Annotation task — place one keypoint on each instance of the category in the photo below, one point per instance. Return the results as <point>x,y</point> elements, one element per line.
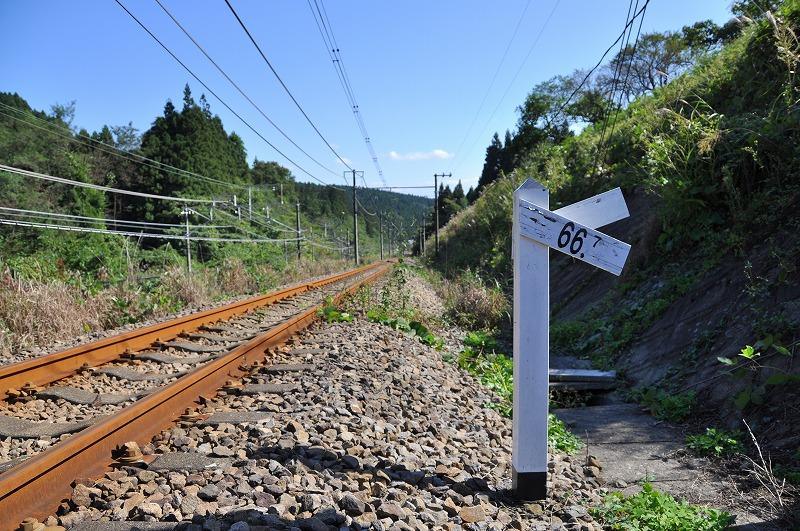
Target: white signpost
<point>570,230</point>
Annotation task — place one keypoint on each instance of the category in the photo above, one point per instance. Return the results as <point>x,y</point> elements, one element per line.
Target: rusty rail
<point>50,368</point>
<point>37,486</point>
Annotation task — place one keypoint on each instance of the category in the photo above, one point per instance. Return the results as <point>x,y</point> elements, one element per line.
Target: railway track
<point>66,413</point>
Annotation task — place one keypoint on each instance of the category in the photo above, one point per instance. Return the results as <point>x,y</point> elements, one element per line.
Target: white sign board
<point>535,229</point>
<point>572,238</point>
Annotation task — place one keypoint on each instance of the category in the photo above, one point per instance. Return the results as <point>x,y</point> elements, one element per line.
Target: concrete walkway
<point>633,447</point>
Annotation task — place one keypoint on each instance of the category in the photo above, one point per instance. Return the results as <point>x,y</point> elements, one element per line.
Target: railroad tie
<point>193,347</point>
<point>279,368</point>
<point>134,376</point>
<point>160,357</point>
<point>26,429</point>
<point>74,395</point>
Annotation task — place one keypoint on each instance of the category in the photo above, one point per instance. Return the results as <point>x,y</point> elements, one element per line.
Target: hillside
<point>708,163</point>
<point>90,259</point>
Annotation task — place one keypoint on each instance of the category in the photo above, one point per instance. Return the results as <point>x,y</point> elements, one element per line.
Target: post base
<point>529,485</point>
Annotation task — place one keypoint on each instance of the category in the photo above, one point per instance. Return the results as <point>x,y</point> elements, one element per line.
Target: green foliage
<point>331,313</point>
<point>652,510</point>
<point>559,437</point>
<point>715,443</point>
<point>672,407</point>
<point>496,371</point>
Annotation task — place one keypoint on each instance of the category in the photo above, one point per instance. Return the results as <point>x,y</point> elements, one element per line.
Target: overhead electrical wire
<point>494,77</point>
<point>112,150</point>
<point>68,228</point>
<point>285,88</point>
<point>510,84</point>
<point>615,80</point>
<point>325,28</point>
<point>245,122</point>
<point>70,182</point>
<point>602,57</point>
<point>117,222</point>
<point>625,82</point>
<point>239,89</point>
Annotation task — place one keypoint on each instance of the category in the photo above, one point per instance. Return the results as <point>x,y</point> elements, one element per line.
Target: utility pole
<point>250,203</point>
<point>188,242</point>
<point>380,230</point>
<point>436,202</point>
<point>424,236</point>
<point>281,193</point>
<point>355,217</point>
<point>298,231</point>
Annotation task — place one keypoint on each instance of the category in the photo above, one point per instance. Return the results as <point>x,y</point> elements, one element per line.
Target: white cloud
<point>421,155</point>
<point>346,161</point>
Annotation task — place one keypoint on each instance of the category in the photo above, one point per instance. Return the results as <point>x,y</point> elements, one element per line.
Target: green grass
<point>652,510</point>
<point>714,442</point>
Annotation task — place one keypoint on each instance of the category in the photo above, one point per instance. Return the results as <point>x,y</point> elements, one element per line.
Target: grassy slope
<point>710,163</point>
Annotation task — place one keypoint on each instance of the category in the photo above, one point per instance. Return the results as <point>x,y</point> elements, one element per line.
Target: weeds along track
<point>65,413</point>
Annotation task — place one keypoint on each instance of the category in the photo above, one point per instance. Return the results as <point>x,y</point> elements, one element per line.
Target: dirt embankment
<point>701,308</point>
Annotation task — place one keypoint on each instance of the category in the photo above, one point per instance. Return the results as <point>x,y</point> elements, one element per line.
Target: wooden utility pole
<point>436,202</point>
<point>298,230</point>
<point>355,221</point>
<point>380,230</point>
<point>188,241</point>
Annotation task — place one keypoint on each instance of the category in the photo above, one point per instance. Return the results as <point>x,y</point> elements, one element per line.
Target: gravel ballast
<point>363,427</point>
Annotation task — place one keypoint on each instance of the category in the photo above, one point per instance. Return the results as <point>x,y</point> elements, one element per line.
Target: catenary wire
<point>494,77</point>
<point>67,228</point>
<point>112,150</point>
<point>510,84</point>
<point>245,122</point>
<point>239,89</point>
<point>280,80</point>
<point>62,180</point>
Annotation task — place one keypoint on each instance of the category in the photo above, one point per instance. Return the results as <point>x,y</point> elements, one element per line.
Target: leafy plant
<point>331,313</point>
<point>652,510</point>
<point>559,437</point>
<point>714,442</point>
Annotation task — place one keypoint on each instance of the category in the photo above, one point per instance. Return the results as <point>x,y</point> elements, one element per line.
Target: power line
<point>69,228</point>
<point>19,212</point>
<point>113,150</point>
<point>510,84</point>
<point>596,66</point>
<point>239,89</point>
<point>263,56</point>
<point>494,77</point>
<point>245,122</point>
<point>81,184</point>
<point>615,80</point>
<point>329,40</point>
<point>625,82</point>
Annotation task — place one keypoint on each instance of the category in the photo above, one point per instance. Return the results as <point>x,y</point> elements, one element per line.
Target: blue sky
<point>419,69</point>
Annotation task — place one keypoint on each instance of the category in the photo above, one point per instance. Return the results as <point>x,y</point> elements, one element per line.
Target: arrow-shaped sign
<point>572,238</point>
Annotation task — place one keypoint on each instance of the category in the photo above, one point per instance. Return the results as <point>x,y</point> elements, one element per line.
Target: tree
<point>491,165</point>
<point>64,112</point>
<point>127,137</point>
<point>652,63</point>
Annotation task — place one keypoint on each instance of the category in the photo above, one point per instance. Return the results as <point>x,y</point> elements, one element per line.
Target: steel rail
<point>52,367</point>
<point>37,486</point>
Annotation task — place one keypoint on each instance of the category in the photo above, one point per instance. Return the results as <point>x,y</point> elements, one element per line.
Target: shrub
<point>672,407</point>
<point>473,304</point>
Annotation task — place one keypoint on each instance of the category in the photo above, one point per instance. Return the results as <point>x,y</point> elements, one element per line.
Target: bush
<point>672,407</point>
<point>473,304</point>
